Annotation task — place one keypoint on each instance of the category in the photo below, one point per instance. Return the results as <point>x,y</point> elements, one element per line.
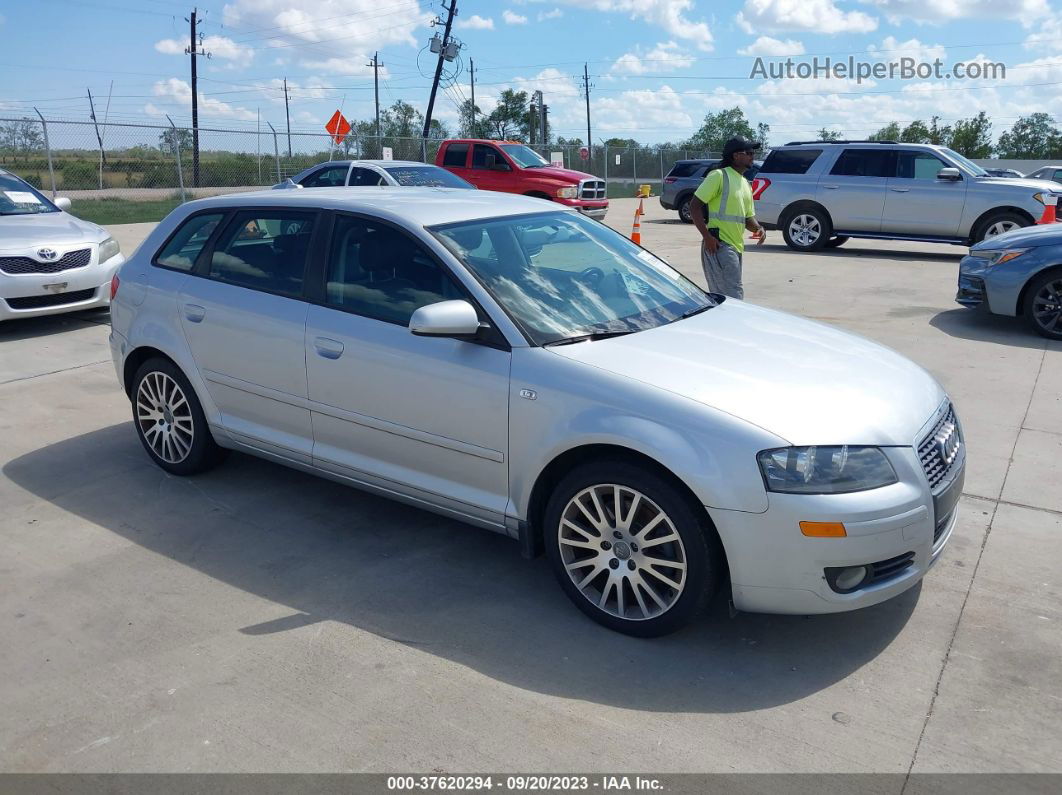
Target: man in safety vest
<point>722,210</point>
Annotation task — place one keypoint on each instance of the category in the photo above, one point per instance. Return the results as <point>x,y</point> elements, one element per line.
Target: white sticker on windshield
<point>22,197</point>
<point>656,262</point>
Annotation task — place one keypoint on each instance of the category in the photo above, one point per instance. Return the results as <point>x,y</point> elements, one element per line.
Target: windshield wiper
<point>697,311</point>
<point>597,335</point>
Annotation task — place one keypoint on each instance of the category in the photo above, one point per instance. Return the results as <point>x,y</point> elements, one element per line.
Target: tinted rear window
<point>456,155</point>
<point>688,170</point>
<point>865,163</point>
<point>790,161</point>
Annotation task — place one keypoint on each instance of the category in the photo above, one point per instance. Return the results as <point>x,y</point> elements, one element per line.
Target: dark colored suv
<point>684,178</point>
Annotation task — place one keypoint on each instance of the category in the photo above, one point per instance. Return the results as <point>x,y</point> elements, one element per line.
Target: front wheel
<point>684,212</point>
<point>1043,305</point>
<point>999,223</point>
<point>629,550</point>
<point>807,229</point>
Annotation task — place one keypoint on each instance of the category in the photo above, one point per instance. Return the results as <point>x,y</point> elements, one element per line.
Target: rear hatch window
<point>688,170</point>
<point>790,161</point>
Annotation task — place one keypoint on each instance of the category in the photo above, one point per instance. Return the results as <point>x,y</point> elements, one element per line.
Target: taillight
<point>114,286</point>
<point>759,185</point>
<point>669,180</point>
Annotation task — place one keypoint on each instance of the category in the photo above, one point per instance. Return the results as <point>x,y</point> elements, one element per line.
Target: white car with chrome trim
<point>530,371</point>
<point>50,261</point>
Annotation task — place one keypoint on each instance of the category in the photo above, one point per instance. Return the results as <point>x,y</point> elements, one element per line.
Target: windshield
<point>969,165</point>
<point>560,275</point>
<point>525,157</point>
<point>427,177</point>
<point>20,198</point>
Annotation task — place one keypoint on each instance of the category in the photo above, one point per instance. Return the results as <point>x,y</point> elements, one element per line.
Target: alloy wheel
<point>622,552</point>
<point>999,227</point>
<point>165,417</point>
<point>805,229</point>
<point>1047,306</point>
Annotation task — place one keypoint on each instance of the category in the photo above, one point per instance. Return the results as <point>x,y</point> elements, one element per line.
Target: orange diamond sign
<point>338,127</point>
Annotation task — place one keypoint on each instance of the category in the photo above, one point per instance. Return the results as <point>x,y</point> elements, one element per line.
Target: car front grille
<point>71,259</point>
<point>593,189</point>
<point>887,569</point>
<point>941,448</point>
<point>41,301</point>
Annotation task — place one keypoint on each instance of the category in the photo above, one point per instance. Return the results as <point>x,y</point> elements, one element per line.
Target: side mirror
<point>498,166</point>
<point>951,174</point>
<point>445,319</point>
<point>62,203</point>
<point>288,184</point>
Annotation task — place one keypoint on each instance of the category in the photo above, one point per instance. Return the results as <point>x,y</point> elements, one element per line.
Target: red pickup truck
<point>511,167</point>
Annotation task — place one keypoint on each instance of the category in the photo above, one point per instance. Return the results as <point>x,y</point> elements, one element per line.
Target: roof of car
<point>374,163</point>
<point>411,206</point>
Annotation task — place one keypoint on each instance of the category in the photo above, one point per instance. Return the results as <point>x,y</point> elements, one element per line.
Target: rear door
<point>920,204</point>
<point>854,189</point>
<point>455,159</point>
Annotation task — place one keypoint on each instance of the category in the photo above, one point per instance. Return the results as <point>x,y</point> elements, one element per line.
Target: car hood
<point>1019,182</point>
<point>803,381</point>
<point>563,174</point>
<point>1028,236</point>
<point>19,232</point>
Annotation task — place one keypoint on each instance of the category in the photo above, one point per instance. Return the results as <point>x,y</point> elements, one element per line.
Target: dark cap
<point>738,145</point>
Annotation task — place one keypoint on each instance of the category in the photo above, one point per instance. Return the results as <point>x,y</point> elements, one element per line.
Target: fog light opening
<point>847,578</point>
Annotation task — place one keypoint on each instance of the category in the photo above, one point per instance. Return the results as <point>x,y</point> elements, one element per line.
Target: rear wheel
<point>807,229</point>
<point>629,550</point>
<point>684,210</point>
<point>999,223</point>
<point>1043,305</point>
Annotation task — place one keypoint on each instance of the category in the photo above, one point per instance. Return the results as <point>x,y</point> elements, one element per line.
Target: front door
<point>244,317</point>
<point>424,416</point>
<point>487,177</point>
<point>920,204</point>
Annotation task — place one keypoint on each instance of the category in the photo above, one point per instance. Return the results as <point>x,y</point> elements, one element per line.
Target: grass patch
<point>122,211</point>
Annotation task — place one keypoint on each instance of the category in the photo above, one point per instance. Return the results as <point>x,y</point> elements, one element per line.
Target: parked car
<point>1007,172</point>
<point>821,193</point>
<point>512,167</point>
<point>1053,173</point>
<point>684,178</point>
<point>50,261</point>
<point>1017,274</point>
<point>530,371</point>
<point>369,173</point>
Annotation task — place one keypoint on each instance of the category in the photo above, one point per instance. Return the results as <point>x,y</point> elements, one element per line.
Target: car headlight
<point>108,249</point>
<point>570,192</point>
<point>1040,197</point>
<point>998,256</point>
<point>825,470</point>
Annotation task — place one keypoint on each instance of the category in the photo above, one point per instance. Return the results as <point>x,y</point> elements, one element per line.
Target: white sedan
<point>50,261</point>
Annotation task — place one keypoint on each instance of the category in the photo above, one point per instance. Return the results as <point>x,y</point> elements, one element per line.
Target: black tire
<point>1043,305</point>
<point>806,229</point>
<point>180,440</point>
<point>685,215</point>
<point>1001,218</point>
<point>623,568</point>
<point>836,241</point>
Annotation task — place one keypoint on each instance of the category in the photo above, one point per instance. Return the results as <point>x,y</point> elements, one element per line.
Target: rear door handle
<point>194,312</point>
<point>831,187</point>
<point>900,190</point>
<point>328,348</point>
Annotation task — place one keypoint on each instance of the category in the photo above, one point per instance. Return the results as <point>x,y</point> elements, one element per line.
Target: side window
<point>264,250</point>
<point>376,271</point>
<point>365,177</point>
<point>918,165</point>
<point>863,163</point>
<point>483,155</point>
<point>456,155</point>
<point>181,251</point>
<point>330,177</point>
<point>1058,176</point>
<point>790,161</point>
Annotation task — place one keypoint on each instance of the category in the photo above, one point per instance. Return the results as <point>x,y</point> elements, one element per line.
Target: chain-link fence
<point>144,162</point>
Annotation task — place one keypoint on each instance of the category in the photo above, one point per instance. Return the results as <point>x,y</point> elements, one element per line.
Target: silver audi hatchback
<point>514,365</point>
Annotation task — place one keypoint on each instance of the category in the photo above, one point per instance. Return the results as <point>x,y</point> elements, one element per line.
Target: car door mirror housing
<point>949,174</point>
<point>62,203</point>
<point>445,319</point>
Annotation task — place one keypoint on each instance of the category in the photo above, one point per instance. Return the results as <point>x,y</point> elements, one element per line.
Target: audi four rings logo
<point>949,444</point>
<point>47,253</point>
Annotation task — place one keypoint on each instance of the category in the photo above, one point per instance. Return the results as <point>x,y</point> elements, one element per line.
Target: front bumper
<point>590,208</point>
<point>35,294</point>
<point>902,528</point>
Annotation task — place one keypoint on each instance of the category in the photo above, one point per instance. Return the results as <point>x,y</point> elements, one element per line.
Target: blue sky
<point>657,66</point>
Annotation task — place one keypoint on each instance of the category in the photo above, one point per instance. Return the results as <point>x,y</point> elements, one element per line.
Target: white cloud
<point>180,93</point>
<point>554,84</point>
<point>765,45</point>
<point>662,108</point>
<point>513,18</point>
<point>893,50</point>
<point>813,16</point>
<point>937,11</point>
<point>556,13</point>
<point>667,14</point>
<point>217,46</point>
<point>355,65</point>
<point>475,22</point>
<point>665,57</point>
<point>1047,38</point>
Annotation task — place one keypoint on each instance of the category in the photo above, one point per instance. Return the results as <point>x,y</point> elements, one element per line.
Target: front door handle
<point>194,313</point>
<point>900,190</point>
<point>328,348</point>
<point>831,187</point>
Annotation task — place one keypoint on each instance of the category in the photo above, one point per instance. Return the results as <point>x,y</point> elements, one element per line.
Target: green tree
<point>915,133</point>
<point>175,136</point>
<point>401,120</point>
<point>509,119</point>
<point>719,127</point>
<point>22,137</point>
<point>1032,137</point>
<point>890,132</point>
<point>469,128</point>
<point>828,135</point>
<point>972,137</point>
<point>941,136</point>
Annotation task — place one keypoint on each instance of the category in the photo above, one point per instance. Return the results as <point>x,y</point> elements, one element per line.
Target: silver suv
<point>822,193</point>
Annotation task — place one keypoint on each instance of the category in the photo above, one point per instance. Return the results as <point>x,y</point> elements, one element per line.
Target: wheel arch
<point>136,358</point>
<point>1023,294</point>
<point>538,194</point>
<point>802,204</point>
<point>975,227</point>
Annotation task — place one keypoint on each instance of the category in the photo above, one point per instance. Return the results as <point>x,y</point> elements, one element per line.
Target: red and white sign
<point>337,127</point>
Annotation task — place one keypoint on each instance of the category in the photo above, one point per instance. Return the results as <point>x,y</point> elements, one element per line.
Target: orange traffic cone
<point>1050,200</point>
<point>636,230</point>
<point>641,205</point>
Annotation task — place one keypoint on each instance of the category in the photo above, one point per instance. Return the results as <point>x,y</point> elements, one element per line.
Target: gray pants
<point>722,270</point>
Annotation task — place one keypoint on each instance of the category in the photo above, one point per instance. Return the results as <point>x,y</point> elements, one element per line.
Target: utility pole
<point>532,120</point>
<point>190,50</point>
<point>586,90</point>
<point>92,114</point>
<point>472,77</point>
<point>452,12</point>
<point>544,110</point>
<point>287,115</point>
<point>375,64</point>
